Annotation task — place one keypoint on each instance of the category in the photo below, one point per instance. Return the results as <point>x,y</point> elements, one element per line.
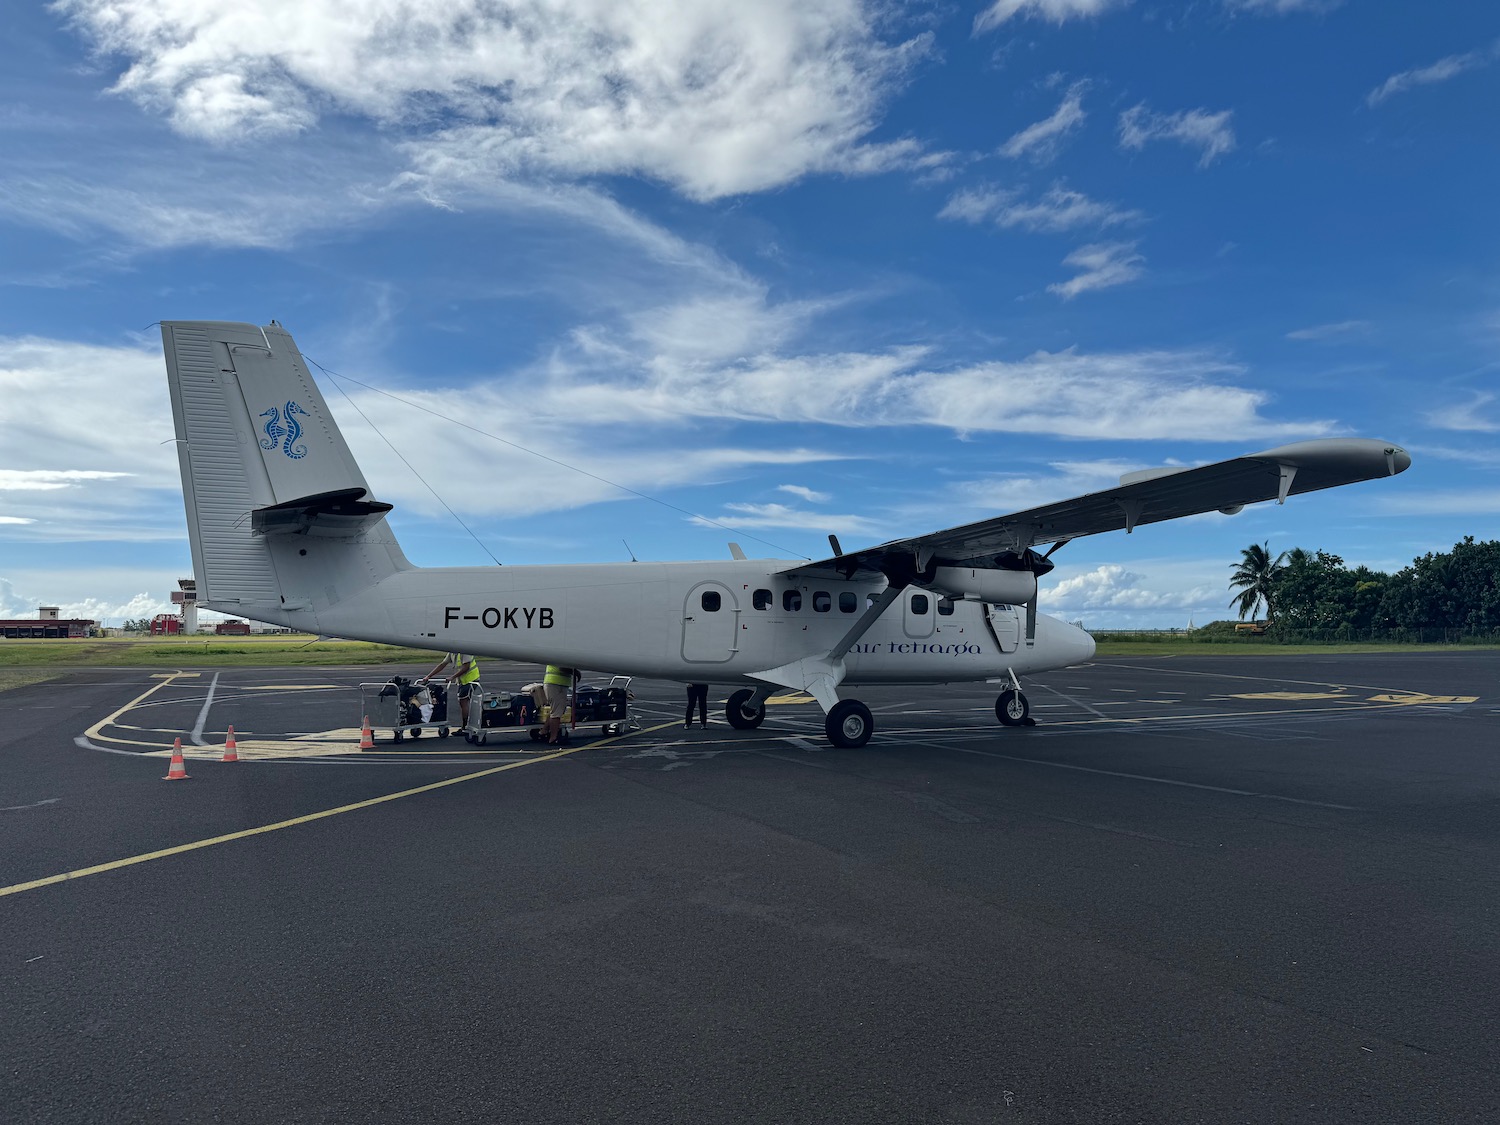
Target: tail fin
<point>279,515</point>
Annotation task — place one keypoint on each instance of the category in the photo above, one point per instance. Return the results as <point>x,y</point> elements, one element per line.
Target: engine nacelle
<point>1011,587</point>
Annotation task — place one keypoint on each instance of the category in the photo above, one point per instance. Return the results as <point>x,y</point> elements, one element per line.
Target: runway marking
<point>1417,698</point>
<point>797,698</point>
<point>289,687</point>
<point>1291,695</point>
<point>228,837</point>
<point>33,805</point>
<point>165,678</point>
<point>196,734</point>
<point>1155,780</point>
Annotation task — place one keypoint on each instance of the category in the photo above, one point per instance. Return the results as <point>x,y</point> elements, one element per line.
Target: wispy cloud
<point>1111,586</point>
<point>1041,141</point>
<point>1329,331</point>
<point>1470,416</point>
<point>1059,209</point>
<point>713,101</point>
<point>1055,11</point>
<point>1196,128</point>
<point>1104,264</point>
<point>762,516</point>
<point>1440,71</point>
<point>807,494</point>
<point>1281,7</point>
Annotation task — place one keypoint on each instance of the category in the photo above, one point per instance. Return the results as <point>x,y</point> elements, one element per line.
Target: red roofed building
<point>46,624</point>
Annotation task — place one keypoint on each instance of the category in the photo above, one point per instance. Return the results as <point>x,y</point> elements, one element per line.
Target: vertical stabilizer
<point>266,475</point>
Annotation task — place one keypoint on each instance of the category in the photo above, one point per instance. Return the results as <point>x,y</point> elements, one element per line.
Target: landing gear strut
<point>744,710</point>
<point>1012,709</point>
<point>849,724</point>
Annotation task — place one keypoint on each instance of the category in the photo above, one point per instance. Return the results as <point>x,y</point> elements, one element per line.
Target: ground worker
<point>466,673</point>
<point>557,682</point>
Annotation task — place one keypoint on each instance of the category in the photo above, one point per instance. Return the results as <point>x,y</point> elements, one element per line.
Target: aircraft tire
<point>1012,709</point>
<point>740,717</point>
<point>849,725</point>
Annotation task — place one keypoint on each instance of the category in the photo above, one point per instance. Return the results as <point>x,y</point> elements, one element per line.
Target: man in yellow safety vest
<point>466,673</point>
<point>556,683</point>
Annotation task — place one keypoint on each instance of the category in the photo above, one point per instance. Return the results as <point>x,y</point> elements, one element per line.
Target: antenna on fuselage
<point>629,552</point>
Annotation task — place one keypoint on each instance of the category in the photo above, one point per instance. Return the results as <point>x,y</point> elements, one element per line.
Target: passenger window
<point>848,602</point>
<point>919,604</point>
<point>822,602</point>
<point>945,606</point>
<point>710,600</point>
<point>791,601</point>
<point>762,599</point>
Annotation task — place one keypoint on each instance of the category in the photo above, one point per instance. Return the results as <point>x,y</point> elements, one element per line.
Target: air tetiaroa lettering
<point>503,617</point>
<point>913,648</point>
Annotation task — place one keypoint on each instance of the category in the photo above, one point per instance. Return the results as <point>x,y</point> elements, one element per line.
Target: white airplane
<point>284,530</point>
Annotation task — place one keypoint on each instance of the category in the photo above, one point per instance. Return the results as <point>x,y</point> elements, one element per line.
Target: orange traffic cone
<point>177,771</point>
<point>231,751</point>
<point>366,739</point>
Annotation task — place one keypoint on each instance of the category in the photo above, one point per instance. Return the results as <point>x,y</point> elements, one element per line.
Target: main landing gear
<point>849,724</point>
<point>745,709</point>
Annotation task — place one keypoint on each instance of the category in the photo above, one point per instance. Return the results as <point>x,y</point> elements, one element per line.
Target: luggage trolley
<point>398,703</point>
<point>513,712</point>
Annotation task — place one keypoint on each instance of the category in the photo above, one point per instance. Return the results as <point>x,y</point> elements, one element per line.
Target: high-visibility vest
<point>459,660</point>
<point>557,674</point>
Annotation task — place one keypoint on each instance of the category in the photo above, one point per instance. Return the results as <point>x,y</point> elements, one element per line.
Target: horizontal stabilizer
<point>342,513</point>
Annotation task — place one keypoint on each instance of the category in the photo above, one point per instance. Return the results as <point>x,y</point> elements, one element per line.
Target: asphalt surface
<point>1199,890</point>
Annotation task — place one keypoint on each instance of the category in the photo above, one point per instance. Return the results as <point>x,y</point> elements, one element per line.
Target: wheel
<point>739,714</point>
<point>399,736</point>
<point>417,732</point>
<point>535,735</point>
<point>849,725</point>
<point>470,738</point>
<point>1012,709</point>
<point>442,732</point>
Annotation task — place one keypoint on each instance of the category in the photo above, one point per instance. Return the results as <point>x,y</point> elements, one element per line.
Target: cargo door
<point>1005,623</point>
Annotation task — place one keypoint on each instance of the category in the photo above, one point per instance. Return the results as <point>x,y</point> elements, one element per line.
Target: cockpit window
<point>919,604</point>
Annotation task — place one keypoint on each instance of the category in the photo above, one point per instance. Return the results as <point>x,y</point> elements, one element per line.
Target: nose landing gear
<point>1012,709</point>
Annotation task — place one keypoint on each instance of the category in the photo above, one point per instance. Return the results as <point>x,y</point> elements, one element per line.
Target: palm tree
<point>1256,573</point>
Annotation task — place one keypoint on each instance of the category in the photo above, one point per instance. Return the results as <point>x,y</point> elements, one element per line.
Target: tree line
<point>1455,591</point>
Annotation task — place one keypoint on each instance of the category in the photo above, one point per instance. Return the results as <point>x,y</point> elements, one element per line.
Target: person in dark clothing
<point>697,693</point>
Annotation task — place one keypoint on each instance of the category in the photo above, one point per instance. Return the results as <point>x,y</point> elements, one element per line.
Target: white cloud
<point>49,480</point>
<point>16,521</point>
<point>1195,127</point>
<point>1059,209</point>
<point>1041,140</point>
<point>1110,586</point>
<point>779,515</point>
<point>1440,71</point>
<point>1329,331</point>
<point>713,100</point>
<point>111,602</point>
<point>1104,264</point>
<point>1055,11</point>
<point>805,493</point>
<point>1468,416</point>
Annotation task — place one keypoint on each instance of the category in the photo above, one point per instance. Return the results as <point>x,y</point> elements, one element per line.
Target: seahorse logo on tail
<point>272,428</point>
<point>294,431</point>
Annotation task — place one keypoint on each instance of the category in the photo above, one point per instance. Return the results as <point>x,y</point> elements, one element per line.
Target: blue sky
<point>807,266</point>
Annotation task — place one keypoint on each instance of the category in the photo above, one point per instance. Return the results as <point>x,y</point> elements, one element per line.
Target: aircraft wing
<point>1147,496</point>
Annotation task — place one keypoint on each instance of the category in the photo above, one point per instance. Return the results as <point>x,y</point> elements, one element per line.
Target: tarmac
<point>1235,889</point>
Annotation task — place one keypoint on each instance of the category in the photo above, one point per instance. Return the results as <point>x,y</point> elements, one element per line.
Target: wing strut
<point>820,676</point>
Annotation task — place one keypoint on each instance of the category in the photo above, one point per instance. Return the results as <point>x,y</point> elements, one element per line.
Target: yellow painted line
<point>798,698</point>
<point>166,678</point>
<point>1291,695</point>
<point>228,837</point>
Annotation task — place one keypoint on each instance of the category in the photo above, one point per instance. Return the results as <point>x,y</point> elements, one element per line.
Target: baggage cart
<point>512,712</point>
<point>407,707</point>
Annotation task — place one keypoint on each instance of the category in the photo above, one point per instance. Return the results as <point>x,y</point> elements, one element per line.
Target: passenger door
<point>710,624</point>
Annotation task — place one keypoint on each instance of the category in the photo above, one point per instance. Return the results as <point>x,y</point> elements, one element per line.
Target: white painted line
<point>197,732</point>
<point>1155,780</point>
<point>35,805</point>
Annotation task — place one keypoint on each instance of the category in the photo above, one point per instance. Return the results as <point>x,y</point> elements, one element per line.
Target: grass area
<point>1259,646</point>
<point>21,677</point>
<point>194,652</point>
